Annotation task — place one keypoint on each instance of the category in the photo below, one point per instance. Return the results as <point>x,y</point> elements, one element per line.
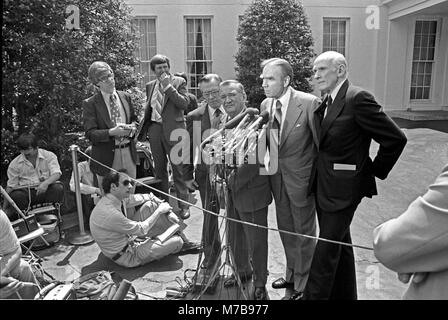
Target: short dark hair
<point>209,77</point>
<point>182,75</point>
<point>26,140</point>
<point>112,177</point>
<point>159,59</point>
<point>283,64</point>
<point>88,151</point>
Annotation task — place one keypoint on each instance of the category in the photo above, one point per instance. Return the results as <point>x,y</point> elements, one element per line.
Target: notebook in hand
<point>169,232</point>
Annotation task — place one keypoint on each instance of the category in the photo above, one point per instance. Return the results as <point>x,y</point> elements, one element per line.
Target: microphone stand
<point>229,257</point>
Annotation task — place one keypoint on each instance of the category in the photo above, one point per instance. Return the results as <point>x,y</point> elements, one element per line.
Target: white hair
<point>335,58</point>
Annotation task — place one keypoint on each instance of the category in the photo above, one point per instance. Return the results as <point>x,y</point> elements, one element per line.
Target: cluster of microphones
<point>237,139</point>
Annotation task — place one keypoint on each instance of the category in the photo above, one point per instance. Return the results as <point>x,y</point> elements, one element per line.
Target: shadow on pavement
<point>169,263</point>
<point>439,125</point>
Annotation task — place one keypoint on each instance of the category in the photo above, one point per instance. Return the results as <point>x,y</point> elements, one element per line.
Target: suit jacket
<point>417,241</point>
<point>96,126</point>
<point>343,172</point>
<point>174,104</point>
<point>250,191</point>
<point>200,114</point>
<point>298,145</point>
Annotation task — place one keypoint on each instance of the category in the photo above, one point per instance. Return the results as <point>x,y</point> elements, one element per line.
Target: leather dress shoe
<point>232,281</point>
<point>190,247</point>
<point>281,283</point>
<point>261,294</point>
<point>295,295</point>
<point>184,214</point>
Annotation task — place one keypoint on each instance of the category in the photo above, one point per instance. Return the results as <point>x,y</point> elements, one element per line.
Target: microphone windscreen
<point>234,122</point>
<point>265,118</point>
<point>252,111</point>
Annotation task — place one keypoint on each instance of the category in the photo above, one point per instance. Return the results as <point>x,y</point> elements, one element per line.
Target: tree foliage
<point>268,29</point>
<point>45,67</point>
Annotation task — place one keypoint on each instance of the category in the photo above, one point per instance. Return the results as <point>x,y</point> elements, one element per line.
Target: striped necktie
<point>157,101</point>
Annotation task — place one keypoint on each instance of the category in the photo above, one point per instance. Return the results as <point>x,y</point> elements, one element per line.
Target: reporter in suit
<point>209,115</point>
<point>104,114</point>
<point>294,154</point>
<point>343,172</point>
<point>164,112</point>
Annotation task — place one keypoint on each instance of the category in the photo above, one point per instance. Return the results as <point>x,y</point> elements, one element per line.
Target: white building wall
<point>170,28</point>
<point>380,59</point>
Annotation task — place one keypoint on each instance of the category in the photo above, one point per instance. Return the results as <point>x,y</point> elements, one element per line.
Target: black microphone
<point>235,121</point>
<point>264,118</point>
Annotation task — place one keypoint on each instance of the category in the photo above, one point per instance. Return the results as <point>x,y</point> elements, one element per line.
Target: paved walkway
<point>422,160</point>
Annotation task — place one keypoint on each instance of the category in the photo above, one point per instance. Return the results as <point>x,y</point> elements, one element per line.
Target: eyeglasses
<point>210,93</point>
<point>107,78</point>
<point>127,182</point>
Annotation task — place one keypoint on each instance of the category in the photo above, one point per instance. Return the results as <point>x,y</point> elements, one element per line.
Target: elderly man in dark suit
<point>109,122</point>
<point>209,116</point>
<point>291,157</point>
<point>249,196</point>
<point>343,173</point>
<point>164,125</point>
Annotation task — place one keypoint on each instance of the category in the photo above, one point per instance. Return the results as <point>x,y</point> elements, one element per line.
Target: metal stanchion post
<point>80,237</point>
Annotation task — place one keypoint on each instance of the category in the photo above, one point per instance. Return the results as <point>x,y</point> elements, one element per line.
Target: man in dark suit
<point>291,155</point>
<point>163,117</point>
<point>343,172</point>
<point>209,116</point>
<point>109,122</point>
<point>249,196</point>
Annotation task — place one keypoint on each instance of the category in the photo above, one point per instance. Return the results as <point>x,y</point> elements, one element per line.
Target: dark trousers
<point>211,240</point>
<point>237,239</point>
<point>22,197</point>
<point>87,207</point>
<point>161,149</point>
<point>332,274</point>
<point>258,244</point>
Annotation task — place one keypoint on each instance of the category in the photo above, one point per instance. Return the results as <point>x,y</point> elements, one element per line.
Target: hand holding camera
<point>164,79</point>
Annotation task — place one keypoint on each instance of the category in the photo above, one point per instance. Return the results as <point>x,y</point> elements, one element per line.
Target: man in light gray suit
<point>292,141</point>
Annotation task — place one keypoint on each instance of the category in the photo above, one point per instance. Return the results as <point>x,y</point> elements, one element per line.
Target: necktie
<point>114,112</point>
<point>329,102</point>
<point>158,101</point>
<point>277,123</point>
<point>216,119</point>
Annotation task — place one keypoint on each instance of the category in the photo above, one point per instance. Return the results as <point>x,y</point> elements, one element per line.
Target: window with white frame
<point>146,26</point>
<point>199,51</point>
<point>423,59</point>
<point>335,35</point>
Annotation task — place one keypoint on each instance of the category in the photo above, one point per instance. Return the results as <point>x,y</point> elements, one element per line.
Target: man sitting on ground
<point>33,177</point>
<point>138,239</point>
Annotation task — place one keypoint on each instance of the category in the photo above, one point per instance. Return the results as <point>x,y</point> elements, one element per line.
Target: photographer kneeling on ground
<point>135,240</point>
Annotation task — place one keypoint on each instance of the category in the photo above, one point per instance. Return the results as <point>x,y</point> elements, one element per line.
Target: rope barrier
<point>232,219</point>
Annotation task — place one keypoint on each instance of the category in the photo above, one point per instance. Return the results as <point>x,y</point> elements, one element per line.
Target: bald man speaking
<point>347,121</point>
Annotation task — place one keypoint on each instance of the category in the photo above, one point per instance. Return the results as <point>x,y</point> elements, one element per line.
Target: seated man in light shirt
<point>33,176</point>
<point>88,184</point>
<point>141,237</point>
